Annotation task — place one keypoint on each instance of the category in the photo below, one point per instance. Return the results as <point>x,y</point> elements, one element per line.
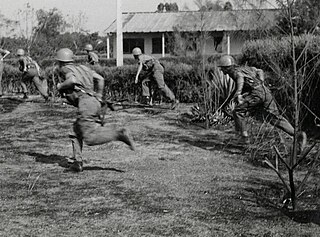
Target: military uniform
<point>155,72</point>
<point>93,58</point>
<point>87,127</point>
<point>257,100</point>
<point>31,71</point>
<point>3,54</point>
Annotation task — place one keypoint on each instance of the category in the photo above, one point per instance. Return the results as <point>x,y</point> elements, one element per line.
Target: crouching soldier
<point>253,96</point>
<point>93,58</point>
<point>155,73</point>
<point>78,88</point>
<point>31,71</point>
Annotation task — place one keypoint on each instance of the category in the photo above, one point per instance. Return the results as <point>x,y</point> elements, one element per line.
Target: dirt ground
<point>182,180</point>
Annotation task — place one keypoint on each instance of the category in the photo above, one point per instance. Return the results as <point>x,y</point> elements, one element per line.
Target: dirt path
<point>181,181</point>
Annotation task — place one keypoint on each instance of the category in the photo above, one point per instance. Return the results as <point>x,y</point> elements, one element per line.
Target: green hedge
<point>119,81</point>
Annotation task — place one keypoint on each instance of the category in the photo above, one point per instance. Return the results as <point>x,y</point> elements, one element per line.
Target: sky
<point>99,13</point>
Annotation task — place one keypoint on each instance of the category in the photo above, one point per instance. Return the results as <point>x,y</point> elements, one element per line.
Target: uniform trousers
<point>157,75</point>
<point>260,103</point>
<point>41,84</point>
<point>87,127</point>
<point>1,73</point>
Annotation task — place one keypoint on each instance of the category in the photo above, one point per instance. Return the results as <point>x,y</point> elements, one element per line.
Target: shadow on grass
<point>268,194</point>
<point>49,159</point>
<point>101,168</point>
<point>63,161</point>
<point>7,105</point>
<point>304,216</point>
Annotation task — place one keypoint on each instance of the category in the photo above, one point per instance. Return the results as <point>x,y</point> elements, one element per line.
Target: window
<point>157,45</point>
<point>130,44</point>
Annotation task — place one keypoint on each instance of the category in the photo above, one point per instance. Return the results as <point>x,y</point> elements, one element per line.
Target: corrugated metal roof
<point>195,21</point>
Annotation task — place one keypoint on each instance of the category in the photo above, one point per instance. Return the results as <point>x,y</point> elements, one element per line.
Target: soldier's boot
<point>125,137</point>
<point>174,104</point>
<point>76,166</point>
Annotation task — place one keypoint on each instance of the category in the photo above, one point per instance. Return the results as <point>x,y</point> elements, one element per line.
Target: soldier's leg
<point>239,116</point>
<point>1,73</point>
<point>273,116</point>
<point>42,86</point>
<point>77,142</point>
<point>251,102</point>
<point>145,90</point>
<point>24,88</point>
<point>158,76</point>
<point>92,132</point>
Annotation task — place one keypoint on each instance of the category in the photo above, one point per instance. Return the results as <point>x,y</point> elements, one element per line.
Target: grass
<point>181,181</point>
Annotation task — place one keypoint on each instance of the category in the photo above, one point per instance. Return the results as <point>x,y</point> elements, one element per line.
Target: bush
<point>182,78</point>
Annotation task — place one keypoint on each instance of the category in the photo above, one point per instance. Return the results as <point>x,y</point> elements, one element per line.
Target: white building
<point>225,30</point>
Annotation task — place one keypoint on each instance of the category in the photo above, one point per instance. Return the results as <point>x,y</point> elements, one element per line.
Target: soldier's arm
<point>239,82</point>
<point>138,72</point>
<point>6,53</point>
<point>68,83</point>
<point>100,83</point>
<point>260,74</point>
<point>23,65</point>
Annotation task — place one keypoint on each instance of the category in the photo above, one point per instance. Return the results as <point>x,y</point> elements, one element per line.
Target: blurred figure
<point>78,88</point>
<point>93,58</point>
<point>254,98</point>
<point>155,73</point>
<point>31,72</point>
<point>3,53</point>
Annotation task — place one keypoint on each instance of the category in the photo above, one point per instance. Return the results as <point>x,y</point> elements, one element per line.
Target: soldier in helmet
<point>78,88</point>
<point>3,53</point>
<point>93,58</point>
<point>252,95</point>
<point>155,73</point>
<point>31,71</point>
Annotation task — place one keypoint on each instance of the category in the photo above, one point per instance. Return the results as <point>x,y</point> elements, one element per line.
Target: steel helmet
<point>64,55</point>
<point>226,61</point>
<point>20,52</point>
<point>136,51</point>
<point>88,47</point>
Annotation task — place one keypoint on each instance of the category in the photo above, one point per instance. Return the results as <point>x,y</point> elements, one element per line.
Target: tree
<point>50,24</point>
<point>160,7</point>
<point>7,26</point>
<point>208,5</point>
<point>304,15</point>
<point>168,7</point>
<point>228,6</point>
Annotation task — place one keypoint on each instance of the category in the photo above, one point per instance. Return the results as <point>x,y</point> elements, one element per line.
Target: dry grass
<point>181,181</point>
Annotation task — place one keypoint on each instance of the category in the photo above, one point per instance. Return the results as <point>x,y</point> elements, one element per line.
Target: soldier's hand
<point>58,86</point>
<point>240,99</point>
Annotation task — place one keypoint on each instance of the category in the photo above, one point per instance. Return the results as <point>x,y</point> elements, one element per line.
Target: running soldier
<point>31,71</point>
<point>93,58</point>
<point>155,73</point>
<point>3,53</point>
<point>78,88</point>
<point>252,96</point>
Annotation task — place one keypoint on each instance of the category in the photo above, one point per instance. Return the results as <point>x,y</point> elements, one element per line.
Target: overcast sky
<point>99,13</point>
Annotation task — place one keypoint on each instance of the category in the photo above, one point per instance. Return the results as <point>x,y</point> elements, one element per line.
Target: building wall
<point>236,43</point>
